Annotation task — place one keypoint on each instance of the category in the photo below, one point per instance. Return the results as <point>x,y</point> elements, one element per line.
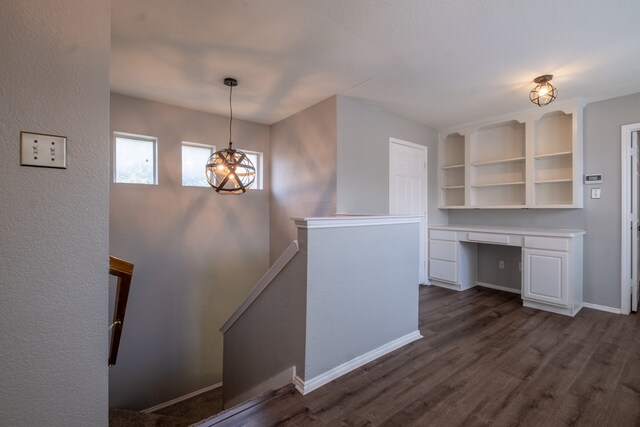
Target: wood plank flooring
<point>484,361</point>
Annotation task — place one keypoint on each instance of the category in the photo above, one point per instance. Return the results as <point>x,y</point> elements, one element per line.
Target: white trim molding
<point>625,191</point>
<point>355,221</point>
<point>262,284</point>
<point>275,382</point>
<point>498,287</point>
<point>305,387</point>
<point>181,398</point>
<point>602,308</point>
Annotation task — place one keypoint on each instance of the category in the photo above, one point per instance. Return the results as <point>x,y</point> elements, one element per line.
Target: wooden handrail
<point>123,270</point>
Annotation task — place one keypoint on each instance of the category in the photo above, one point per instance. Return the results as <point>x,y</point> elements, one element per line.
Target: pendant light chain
<point>231,115</point>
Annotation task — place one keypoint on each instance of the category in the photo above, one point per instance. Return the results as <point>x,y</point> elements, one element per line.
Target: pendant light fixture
<point>544,92</point>
<point>230,171</point>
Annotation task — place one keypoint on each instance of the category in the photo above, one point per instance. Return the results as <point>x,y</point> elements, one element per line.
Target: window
<point>256,159</point>
<point>135,159</point>
<point>194,161</point>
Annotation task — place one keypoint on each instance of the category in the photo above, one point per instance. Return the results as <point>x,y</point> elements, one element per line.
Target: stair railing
<point>123,270</point>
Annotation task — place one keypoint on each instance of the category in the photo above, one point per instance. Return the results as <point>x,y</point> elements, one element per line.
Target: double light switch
<point>48,151</point>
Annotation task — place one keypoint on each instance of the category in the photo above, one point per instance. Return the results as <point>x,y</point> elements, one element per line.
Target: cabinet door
<point>546,276</point>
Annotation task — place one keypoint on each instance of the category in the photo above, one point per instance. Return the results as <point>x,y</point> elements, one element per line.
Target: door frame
<point>626,175</point>
<point>424,223</point>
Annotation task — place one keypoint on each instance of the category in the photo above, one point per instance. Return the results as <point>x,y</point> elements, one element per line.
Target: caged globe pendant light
<point>544,92</point>
<point>230,171</point>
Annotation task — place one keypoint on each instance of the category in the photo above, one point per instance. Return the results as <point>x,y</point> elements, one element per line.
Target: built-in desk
<point>551,262</point>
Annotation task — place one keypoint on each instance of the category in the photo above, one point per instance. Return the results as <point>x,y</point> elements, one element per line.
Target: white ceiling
<point>438,62</point>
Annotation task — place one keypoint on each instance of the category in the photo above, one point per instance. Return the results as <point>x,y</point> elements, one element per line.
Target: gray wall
<point>303,171</point>
<point>53,222</point>
<point>196,255</point>
<point>359,300</point>
<point>363,158</point>
<point>600,218</point>
<point>488,271</point>
<point>269,337</point>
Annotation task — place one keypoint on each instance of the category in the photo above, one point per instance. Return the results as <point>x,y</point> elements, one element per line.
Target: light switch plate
<point>595,193</point>
<point>47,151</point>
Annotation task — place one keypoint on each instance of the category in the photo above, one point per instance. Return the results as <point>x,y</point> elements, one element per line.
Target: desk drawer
<point>442,250</point>
<point>488,238</point>
<point>442,235</point>
<point>555,244</point>
<point>443,270</point>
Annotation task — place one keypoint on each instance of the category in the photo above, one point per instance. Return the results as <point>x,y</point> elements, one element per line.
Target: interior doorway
<point>408,189</point>
<point>630,186</point>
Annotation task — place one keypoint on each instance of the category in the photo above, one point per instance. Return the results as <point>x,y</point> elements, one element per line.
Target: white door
<point>408,188</point>
<point>633,226</point>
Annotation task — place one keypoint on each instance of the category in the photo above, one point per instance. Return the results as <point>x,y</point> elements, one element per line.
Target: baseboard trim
<point>567,311</point>
<point>275,382</point>
<point>181,398</point>
<point>305,387</point>
<point>602,308</point>
<point>499,288</point>
<point>445,285</point>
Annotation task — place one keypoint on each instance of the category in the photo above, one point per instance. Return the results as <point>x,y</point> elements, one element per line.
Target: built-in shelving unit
<point>531,159</point>
<point>553,164</point>
<point>452,170</point>
<point>497,159</point>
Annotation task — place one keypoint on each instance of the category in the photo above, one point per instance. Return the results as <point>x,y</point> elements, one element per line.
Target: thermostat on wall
<point>593,178</point>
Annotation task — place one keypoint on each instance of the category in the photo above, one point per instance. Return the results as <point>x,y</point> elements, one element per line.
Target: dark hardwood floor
<point>484,361</point>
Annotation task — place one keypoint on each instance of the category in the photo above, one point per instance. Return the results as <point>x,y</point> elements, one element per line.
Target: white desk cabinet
<point>551,262</point>
<point>448,260</point>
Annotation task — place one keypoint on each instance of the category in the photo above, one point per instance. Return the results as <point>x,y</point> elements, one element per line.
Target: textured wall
<point>303,171</point>
<point>363,158</point>
<point>53,223</point>
<point>600,218</point>
<point>196,255</point>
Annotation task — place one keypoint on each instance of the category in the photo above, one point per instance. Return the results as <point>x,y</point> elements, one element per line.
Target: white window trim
<point>259,175</point>
<point>147,138</point>
<point>197,145</point>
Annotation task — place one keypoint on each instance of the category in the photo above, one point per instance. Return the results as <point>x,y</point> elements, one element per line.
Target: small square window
<point>194,162</point>
<point>256,159</point>
<point>135,159</point>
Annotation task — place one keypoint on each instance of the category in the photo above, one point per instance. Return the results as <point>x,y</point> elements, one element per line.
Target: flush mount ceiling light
<point>544,92</point>
<point>230,171</point>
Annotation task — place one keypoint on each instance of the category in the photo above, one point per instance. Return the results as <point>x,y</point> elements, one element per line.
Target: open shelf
<point>553,134</point>
<point>452,170</point>
<point>453,166</point>
<point>554,161</point>
<point>453,151</point>
<point>552,181</point>
<point>498,184</point>
<point>498,162</point>
<point>453,196</point>
<point>546,156</point>
<point>554,193</point>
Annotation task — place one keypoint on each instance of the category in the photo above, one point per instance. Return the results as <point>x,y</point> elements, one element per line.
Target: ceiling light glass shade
<point>544,92</point>
<point>230,171</point>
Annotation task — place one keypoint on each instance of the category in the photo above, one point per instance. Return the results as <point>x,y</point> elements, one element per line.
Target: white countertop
<point>355,221</point>
<point>529,231</point>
